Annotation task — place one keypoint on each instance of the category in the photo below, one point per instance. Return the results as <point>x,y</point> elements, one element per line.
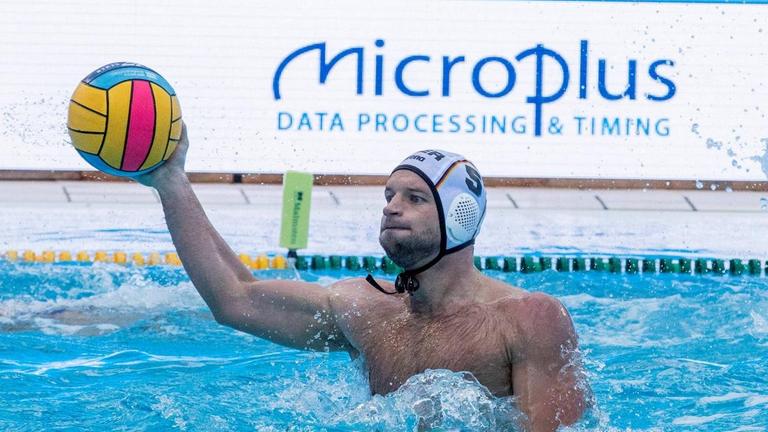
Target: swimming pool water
<point>105,347</point>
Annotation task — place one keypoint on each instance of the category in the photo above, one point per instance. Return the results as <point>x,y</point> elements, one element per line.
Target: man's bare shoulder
<point>358,293</point>
<point>542,324</point>
<point>537,319</point>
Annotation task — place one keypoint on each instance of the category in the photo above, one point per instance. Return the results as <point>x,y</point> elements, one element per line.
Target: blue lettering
<point>454,122</point>
<point>643,125</point>
<point>304,122</point>
<point>288,117</point>
<point>655,76</point>
<point>437,123</point>
<point>381,121</point>
<point>518,125</point>
<point>362,120</point>
<point>631,81</point>
<point>579,119</point>
<point>583,69</point>
<point>501,124</point>
<point>609,127</point>
<point>379,69</point>
<point>471,123</point>
<point>662,127</point>
<point>321,118</point>
<point>447,66</point>
<point>337,123</point>
<point>539,99</point>
<point>404,119</point>
<point>511,77</point>
<point>325,67</point>
<point>399,75</point>
<point>417,123</point>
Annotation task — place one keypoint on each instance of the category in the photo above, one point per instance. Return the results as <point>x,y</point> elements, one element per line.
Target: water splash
<point>30,121</point>
<point>434,399</point>
<point>439,399</point>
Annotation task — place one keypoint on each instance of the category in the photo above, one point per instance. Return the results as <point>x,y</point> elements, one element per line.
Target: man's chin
<point>392,236</point>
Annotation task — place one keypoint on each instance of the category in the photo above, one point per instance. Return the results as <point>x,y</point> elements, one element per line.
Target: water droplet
<point>699,184</point>
<point>728,189</point>
<point>764,203</point>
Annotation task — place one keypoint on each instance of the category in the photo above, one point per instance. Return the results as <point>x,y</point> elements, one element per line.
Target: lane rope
<point>531,263</point>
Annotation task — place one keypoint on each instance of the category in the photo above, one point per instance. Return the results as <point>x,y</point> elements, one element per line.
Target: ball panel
<point>162,126</point>
<point>176,130</point>
<point>118,98</point>
<point>86,142</point>
<point>106,68</point>
<point>175,108</point>
<point>99,164</point>
<point>169,151</point>
<point>125,72</point>
<point>141,126</point>
<point>84,120</point>
<point>91,98</point>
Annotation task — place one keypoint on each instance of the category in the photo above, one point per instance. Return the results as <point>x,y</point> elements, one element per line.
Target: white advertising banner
<point>556,89</point>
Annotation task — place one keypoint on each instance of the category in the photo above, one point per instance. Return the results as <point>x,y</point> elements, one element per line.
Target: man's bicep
<point>291,313</point>
<point>548,393</point>
<point>547,377</point>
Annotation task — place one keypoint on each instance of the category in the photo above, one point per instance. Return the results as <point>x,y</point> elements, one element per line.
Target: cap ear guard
<point>463,219</point>
<point>463,204</point>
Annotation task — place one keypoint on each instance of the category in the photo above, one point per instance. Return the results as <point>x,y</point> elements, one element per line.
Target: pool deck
<point>103,215</point>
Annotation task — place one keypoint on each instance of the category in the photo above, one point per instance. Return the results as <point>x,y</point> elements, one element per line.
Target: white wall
<point>222,58</point>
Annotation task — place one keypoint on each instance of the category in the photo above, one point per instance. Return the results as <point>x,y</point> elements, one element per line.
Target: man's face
<point>410,228</point>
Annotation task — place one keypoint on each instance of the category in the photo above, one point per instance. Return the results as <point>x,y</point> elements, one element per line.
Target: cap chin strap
<point>407,281</point>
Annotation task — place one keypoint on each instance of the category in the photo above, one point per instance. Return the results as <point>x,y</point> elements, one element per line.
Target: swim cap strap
<point>376,285</point>
<point>405,282</point>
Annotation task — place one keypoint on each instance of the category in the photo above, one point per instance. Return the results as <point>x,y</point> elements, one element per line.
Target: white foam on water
<point>169,409</point>
<point>696,420</point>
<point>749,429</point>
<point>702,362</point>
<point>759,323</point>
<point>756,400</point>
<point>121,358</point>
<point>724,398</point>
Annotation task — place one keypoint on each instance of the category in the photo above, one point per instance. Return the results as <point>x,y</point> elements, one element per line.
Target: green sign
<point>297,197</point>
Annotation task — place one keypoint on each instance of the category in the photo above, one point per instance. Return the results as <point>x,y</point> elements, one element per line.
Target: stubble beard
<point>410,251</point>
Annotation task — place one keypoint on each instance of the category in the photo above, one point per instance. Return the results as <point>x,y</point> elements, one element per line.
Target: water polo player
<point>442,314</point>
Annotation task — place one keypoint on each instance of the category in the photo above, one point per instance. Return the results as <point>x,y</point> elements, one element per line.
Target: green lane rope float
<point>503,264</point>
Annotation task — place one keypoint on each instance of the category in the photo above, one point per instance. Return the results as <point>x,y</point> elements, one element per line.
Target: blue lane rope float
<point>531,263</point>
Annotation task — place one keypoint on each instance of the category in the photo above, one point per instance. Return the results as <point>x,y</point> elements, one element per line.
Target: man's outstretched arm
<point>547,378</point>
<point>290,313</point>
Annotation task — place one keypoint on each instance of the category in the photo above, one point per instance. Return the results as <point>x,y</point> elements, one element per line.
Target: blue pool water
<point>105,347</point>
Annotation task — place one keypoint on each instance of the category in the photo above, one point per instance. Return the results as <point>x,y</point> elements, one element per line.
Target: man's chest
<point>397,348</point>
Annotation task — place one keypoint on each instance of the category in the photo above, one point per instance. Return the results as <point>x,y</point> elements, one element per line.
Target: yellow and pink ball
<point>124,119</point>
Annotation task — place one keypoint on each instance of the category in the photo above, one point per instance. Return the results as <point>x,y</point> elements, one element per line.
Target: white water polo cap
<point>459,194</point>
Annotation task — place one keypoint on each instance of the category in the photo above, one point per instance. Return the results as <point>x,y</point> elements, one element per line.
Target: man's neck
<point>448,285</point>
